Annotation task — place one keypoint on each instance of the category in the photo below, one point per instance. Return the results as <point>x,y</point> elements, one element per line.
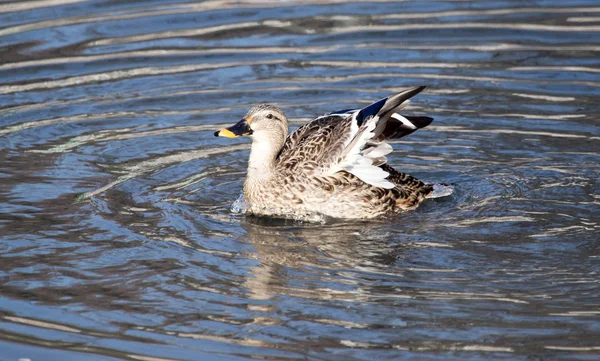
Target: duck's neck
<point>262,160</point>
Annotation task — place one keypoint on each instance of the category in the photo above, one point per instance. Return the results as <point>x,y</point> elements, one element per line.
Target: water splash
<point>239,205</point>
<point>441,190</point>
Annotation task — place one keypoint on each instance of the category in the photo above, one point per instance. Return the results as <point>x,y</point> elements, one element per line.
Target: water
<point>117,239</point>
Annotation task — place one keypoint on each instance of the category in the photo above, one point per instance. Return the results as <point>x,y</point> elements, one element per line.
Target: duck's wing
<point>351,140</point>
<point>307,148</point>
<point>309,132</point>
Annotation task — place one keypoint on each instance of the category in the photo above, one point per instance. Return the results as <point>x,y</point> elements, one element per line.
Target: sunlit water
<point>117,238</point>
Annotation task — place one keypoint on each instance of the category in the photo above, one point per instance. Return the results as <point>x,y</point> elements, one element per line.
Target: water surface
<point>116,237</point>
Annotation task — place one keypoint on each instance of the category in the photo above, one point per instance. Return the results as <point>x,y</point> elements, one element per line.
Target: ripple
<point>32,5</point>
<point>124,74</point>
<point>151,165</point>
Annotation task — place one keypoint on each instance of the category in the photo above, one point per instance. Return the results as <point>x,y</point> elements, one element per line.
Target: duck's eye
<point>269,116</point>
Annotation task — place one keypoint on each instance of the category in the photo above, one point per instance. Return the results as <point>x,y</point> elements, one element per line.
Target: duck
<point>333,166</point>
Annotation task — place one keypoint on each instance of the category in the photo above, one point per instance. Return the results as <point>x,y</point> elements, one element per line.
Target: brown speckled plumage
<point>311,170</point>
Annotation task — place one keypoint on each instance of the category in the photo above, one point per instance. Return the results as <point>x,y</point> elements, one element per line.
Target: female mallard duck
<point>334,165</point>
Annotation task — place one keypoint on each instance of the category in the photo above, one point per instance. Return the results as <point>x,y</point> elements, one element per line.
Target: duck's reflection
<point>318,261</point>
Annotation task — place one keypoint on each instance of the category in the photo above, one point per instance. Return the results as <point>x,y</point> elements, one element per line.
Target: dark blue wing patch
<point>370,110</point>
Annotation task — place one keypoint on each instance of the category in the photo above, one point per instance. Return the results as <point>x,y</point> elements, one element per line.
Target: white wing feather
<point>360,163</point>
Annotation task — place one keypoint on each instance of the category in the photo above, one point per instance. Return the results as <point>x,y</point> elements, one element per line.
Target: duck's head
<point>262,121</point>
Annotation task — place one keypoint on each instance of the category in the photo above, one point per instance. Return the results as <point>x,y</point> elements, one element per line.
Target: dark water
<point>117,239</point>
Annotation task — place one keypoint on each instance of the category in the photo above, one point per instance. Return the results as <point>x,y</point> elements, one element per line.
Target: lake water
<point>117,239</point>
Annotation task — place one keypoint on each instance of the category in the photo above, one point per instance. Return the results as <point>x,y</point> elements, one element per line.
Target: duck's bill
<point>238,129</point>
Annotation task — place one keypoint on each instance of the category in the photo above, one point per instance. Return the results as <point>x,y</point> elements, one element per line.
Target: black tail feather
<point>419,121</point>
<point>395,128</point>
